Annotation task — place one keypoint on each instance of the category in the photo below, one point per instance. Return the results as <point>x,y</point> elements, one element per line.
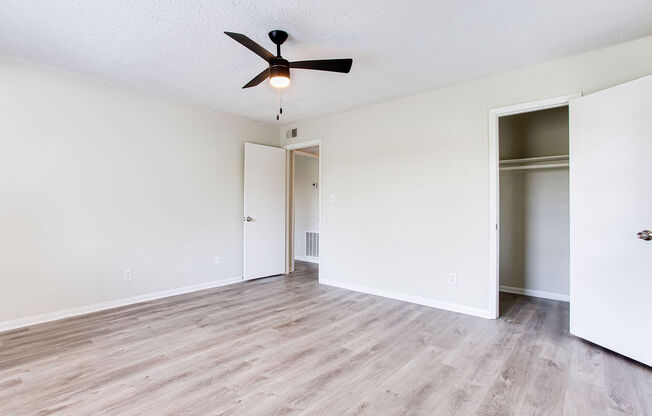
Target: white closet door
<point>611,201</point>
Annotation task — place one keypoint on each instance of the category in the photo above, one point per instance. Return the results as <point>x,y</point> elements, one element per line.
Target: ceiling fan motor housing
<point>279,67</point>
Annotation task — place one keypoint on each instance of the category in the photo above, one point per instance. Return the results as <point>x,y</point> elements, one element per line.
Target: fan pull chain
<point>279,96</point>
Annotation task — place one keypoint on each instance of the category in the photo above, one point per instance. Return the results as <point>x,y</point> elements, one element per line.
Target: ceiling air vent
<point>291,133</point>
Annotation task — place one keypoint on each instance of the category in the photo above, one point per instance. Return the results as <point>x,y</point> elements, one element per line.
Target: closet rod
<point>538,166</point>
<point>534,159</point>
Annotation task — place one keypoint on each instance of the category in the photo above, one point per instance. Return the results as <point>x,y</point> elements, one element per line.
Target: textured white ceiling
<point>177,48</point>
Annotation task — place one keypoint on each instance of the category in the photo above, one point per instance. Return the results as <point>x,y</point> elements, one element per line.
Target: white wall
<point>411,185</point>
<point>306,201</point>
<point>96,179</point>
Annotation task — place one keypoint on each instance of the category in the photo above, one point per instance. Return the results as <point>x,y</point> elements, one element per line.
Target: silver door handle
<point>248,219</point>
<point>645,235</point>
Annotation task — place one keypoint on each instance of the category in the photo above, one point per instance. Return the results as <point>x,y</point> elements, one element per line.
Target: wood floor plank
<point>290,346</point>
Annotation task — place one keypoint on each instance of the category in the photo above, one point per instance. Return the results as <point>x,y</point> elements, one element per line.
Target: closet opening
<point>530,200</point>
<point>304,208</point>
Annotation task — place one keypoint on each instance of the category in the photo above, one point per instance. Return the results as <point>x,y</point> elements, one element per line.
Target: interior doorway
<point>304,207</point>
<point>529,205</point>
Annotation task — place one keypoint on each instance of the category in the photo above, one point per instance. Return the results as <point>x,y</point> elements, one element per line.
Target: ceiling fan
<point>278,71</point>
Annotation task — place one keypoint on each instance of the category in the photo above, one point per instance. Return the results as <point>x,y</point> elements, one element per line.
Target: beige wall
<point>410,178</point>
<point>534,134</point>
<point>96,179</point>
<point>535,230</point>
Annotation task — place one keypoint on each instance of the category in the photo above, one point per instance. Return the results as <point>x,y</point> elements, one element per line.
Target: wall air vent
<point>291,133</point>
<point>312,244</point>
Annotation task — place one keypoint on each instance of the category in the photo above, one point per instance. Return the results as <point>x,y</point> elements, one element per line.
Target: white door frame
<point>296,146</point>
<point>494,191</point>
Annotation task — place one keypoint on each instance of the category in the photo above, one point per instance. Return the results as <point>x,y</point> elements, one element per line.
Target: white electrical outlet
<point>218,259</point>
<point>452,278</point>
<point>332,197</point>
<point>128,275</point>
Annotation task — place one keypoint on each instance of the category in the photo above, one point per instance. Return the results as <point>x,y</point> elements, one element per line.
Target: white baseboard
<point>308,259</point>
<point>535,293</point>
<point>82,310</point>
<point>453,307</point>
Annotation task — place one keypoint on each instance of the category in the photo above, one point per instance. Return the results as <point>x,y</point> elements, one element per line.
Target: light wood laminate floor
<point>289,346</point>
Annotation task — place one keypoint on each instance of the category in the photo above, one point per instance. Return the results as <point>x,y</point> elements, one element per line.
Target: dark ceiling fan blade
<point>251,45</point>
<point>258,79</point>
<point>332,65</point>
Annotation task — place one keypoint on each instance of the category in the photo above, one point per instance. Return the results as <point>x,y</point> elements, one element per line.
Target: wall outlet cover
<point>452,278</point>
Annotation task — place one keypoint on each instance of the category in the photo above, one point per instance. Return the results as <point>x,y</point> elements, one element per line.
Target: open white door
<point>264,211</point>
<point>611,202</point>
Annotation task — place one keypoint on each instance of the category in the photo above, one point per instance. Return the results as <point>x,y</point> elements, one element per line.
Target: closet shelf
<point>543,162</point>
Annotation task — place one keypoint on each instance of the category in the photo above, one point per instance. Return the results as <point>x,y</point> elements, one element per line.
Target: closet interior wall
<point>534,203</point>
<point>306,203</point>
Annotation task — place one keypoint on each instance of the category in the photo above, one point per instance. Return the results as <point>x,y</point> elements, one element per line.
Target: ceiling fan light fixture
<point>279,73</point>
<point>279,81</point>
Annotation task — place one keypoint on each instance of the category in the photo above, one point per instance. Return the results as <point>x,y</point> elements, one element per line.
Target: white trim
<point>494,195</point>
<point>307,258</point>
<point>82,310</point>
<point>453,307</point>
<point>530,106</point>
<point>535,293</point>
<point>310,143</point>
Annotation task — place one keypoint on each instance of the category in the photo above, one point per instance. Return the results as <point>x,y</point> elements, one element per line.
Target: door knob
<point>645,235</point>
<point>248,219</point>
